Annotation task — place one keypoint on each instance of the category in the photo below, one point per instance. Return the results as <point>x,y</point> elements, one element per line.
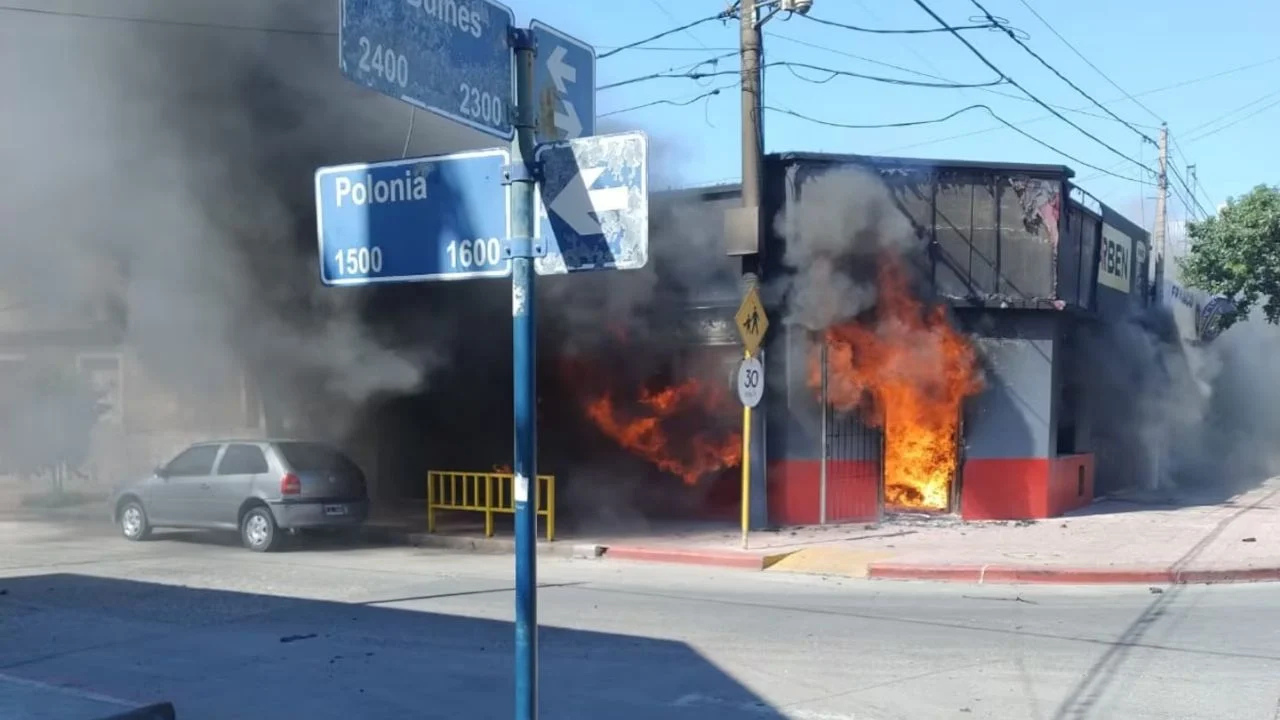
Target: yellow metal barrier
<point>486,493</point>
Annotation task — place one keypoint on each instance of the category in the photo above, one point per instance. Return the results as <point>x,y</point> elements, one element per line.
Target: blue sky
<point>1141,45</point>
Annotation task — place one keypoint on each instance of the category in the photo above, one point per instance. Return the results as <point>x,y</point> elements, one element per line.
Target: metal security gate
<point>851,487</point>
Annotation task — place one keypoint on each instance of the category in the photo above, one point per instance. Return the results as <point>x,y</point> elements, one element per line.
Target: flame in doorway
<point>908,372</point>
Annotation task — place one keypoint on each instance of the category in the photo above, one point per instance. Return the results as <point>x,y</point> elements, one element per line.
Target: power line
<point>1233,123</point>
<point>1229,113</point>
<point>1060,116</point>
<point>1164,88</point>
<point>991,24</point>
<point>921,73</point>
<point>722,15</point>
<point>663,9</point>
<point>681,71</point>
<point>1088,62</point>
<point>675,103</point>
<point>171,23</point>
<point>1183,181</point>
<point>1062,77</point>
<point>833,73</point>
<point>933,121</point>
<point>668,48</point>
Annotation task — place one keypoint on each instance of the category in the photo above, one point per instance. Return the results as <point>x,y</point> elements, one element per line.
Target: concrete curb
<point>473,544</point>
<point>1024,574</point>
<point>740,560</point>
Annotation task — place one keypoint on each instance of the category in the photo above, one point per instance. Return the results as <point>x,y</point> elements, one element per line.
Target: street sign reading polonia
<point>431,218</point>
<point>595,203</point>
<point>564,85</point>
<point>450,57</point>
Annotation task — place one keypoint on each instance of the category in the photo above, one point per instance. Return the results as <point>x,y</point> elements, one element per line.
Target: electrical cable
<point>991,24</point>
<point>933,121</point>
<point>1088,62</point>
<point>924,6</point>
<point>722,15</point>
<point>921,73</point>
<point>682,71</point>
<point>675,103</point>
<point>1231,112</point>
<point>1183,181</point>
<point>670,16</point>
<point>1062,77</point>
<point>1163,88</point>
<point>1233,123</point>
<point>834,73</point>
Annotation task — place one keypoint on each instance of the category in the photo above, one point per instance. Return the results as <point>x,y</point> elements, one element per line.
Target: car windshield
<point>316,457</point>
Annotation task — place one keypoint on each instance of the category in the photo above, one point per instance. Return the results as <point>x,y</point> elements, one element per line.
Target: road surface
<point>334,632</point>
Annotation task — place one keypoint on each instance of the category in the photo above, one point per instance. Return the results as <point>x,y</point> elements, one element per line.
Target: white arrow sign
<point>576,202</point>
<point>568,121</point>
<point>561,71</point>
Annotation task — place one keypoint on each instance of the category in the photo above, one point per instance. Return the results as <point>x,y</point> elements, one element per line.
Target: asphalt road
<point>334,632</point>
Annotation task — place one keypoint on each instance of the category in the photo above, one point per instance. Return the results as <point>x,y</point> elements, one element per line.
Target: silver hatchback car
<point>258,487</point>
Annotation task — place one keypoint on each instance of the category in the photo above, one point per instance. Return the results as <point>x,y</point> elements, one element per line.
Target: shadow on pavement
<point>218,654</point>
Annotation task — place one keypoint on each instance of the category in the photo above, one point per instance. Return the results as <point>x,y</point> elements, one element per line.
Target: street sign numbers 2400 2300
<point>480,106</point>
<point>384,62</point>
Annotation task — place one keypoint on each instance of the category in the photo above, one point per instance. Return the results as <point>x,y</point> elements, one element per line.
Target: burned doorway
<point>900,458</point>
<point>900,374</point>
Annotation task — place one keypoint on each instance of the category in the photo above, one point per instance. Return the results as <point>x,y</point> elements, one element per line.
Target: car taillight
<point>290,484</point>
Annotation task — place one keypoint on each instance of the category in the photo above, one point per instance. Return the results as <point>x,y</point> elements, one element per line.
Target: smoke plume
<point>841,223</point>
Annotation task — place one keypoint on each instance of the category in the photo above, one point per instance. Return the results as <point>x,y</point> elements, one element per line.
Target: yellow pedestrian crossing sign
<point>752,321</point>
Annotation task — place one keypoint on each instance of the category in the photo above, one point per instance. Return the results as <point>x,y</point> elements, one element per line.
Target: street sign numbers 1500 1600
<point>468,254</point>
<point>384,61</point>
<point>358,261</point>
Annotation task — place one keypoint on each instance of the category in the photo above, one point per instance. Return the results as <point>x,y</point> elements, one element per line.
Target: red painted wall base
<point>991,489</point>
<point>1025,488</point>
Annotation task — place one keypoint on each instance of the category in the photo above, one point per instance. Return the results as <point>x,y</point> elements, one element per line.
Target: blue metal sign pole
<point>523,338</point>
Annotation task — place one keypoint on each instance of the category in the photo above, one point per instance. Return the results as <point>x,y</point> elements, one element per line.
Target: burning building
<point>929,359</point>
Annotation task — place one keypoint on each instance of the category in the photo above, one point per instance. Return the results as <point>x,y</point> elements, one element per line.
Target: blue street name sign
<point>450,57</point>
<point>564,85</point>
<point>432,218</point>
<point>595,200</point>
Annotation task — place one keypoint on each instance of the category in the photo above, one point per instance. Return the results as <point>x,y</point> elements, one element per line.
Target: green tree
<point>1237,254</point>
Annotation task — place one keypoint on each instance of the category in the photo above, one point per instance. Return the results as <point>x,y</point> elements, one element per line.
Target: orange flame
<point>908,372</point>
<point>673,428</point>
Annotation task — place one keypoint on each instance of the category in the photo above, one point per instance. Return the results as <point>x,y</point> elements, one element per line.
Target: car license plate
<point>335,509</point>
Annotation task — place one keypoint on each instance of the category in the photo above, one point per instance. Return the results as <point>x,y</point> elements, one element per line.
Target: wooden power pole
<point>1162,215</point>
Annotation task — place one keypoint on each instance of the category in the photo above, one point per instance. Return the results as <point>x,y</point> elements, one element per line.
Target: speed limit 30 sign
<point>751,381</point>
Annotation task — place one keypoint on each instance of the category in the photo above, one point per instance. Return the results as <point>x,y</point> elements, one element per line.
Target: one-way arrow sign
<point>564,85</point>
<point>596,192</point>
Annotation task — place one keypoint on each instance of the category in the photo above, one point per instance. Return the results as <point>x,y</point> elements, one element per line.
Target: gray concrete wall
<point>1013,416</point>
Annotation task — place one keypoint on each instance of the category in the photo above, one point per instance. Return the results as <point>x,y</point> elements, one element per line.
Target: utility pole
<point>1162,214</point>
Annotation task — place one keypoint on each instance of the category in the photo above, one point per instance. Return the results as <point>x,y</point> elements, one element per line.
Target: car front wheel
<point>133,521</point>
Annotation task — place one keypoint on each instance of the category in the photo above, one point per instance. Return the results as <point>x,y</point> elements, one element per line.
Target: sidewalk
<point>1111,541</point>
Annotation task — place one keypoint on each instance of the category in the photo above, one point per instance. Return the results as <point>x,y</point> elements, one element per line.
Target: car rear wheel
<point>133,521</point>
<point>258,530</point>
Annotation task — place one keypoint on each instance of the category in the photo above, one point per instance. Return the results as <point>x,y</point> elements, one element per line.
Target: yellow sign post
<point>752,324</point>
